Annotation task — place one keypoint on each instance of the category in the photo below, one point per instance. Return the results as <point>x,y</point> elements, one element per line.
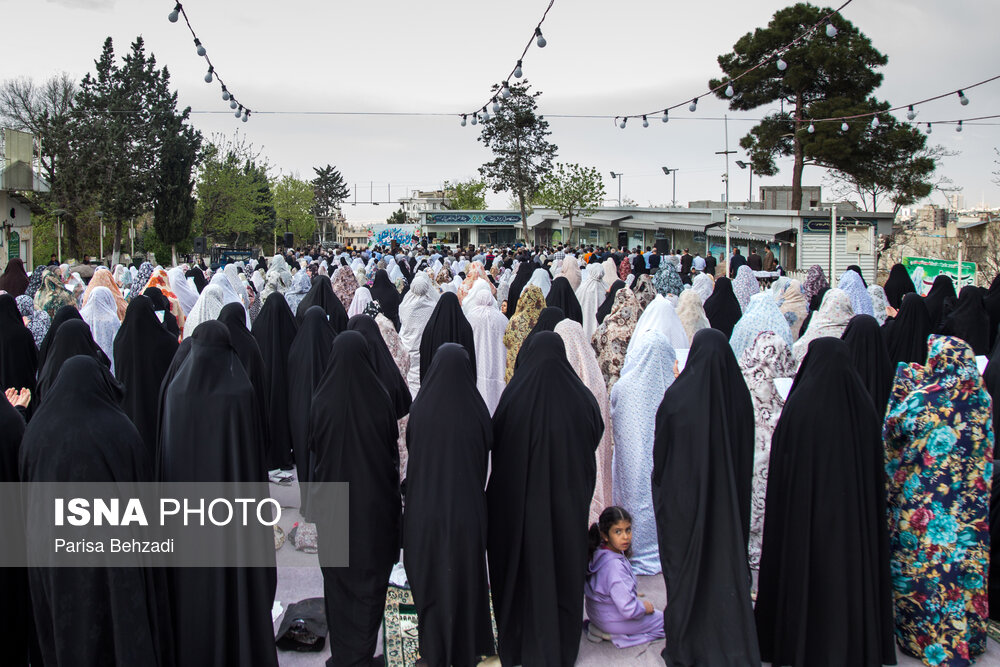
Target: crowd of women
<point>506,398</point>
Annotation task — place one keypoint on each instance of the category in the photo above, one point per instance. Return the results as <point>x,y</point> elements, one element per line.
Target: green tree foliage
<point>235,203</point>
<point>522,155</point>
<point>330,189</point>
<point>571,190</point>
<point>173,211</point>
<point>890,163</point>
<point>397,218</point>
<point>294,203</point>
<point>469,195</point>
<point>121,119</point>
<point>820,69</point>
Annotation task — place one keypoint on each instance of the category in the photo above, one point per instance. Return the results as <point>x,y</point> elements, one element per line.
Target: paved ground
<point>299,578</point>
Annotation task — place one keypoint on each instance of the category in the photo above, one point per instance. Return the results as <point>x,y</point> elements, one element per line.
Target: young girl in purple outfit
<point>614,609</point>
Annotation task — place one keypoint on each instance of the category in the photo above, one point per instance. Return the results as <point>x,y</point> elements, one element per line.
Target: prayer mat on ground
<point>400,636</point>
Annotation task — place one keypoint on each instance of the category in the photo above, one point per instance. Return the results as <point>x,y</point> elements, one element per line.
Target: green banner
<point>13,245</point>
<point>923,271</point>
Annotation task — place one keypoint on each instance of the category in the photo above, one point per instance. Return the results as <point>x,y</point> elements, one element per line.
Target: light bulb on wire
<point>232,102</point>
<point>811,129</point>
<point>239,112</point>
<point>782,65</point>
<point>246,115</point>
<point>959,127</point>
<point>496,106</point>
<point>645,123</point>
<point>694,105</point>
<point>874,122</point>
<point>176,14</point>
<point>910,113</point>
<point>225,94</point>
<point>622,124</point>
<point>505,91</point>
<point>517,70</point>
<point>962,99</point>
<point>730,91</point>
<point>486,115</point>
<point>831,30</point>
<point>463,120</point>
<point>539,39</point>
<point>844,126</point>
<point>928,128</point>
<point>475,119</point>
<point>666,115</point>
<point>201,49</point>
<point>208,77</point>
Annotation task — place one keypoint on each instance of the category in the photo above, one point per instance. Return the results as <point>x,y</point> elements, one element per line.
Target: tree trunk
<point>524,216</point>
<point>116,247</point>
<point>798,166</point>
<point>173,254</point>
<point>72,237</point>
<point>570,240</point>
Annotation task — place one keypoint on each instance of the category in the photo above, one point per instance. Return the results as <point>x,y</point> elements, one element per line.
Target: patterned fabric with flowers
<point>939,449</point>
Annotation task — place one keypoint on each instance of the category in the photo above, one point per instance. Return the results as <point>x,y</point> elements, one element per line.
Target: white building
<point>18,175</point>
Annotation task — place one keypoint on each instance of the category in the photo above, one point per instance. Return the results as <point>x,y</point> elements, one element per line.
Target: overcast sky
<point>442,55</point>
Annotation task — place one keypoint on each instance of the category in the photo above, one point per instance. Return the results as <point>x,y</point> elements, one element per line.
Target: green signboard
<point>13,245</point>
<point>924,270</point>
<point>463,219</point>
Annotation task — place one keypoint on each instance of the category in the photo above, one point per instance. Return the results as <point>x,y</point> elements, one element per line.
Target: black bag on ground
<point>303,628</point>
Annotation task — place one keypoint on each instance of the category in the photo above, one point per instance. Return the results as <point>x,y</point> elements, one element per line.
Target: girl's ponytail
<point>593,540</point>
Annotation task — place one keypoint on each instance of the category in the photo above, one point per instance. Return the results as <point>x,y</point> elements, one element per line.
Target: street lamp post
<point>747,165</point>
<point>618,175</point>
<point>672,172</point>
<point>59,213</point>
<point>100,217</point>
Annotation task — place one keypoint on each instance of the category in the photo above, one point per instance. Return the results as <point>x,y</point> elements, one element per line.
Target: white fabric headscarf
<point>542,279</point>
<point>488,327</point>
<point>660,316</point>
<point>362,297</point>
<point>229,295</point>
<point>591,295</point>
<point>101,313</point>
<point>258,280</point>
<point>571,271</point>
<point>186,295</point>
<point>647,373</point>
<point>414,311</point>
<point>301,284</point>
<point>581,356</point>
<point>233,274</point>
<point>761,314</point>
<point>691,313</point>
<point>480,284</point>
<point>703,286</point>
<point>610,272</point>
<point>830,320</point>
<point>879,303</point>
<point>278,277</point>
<point>503,286</point>
<point>210,303</point>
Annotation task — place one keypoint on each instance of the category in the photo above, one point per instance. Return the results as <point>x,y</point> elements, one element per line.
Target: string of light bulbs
<point>775,56</point>
<point>483,115</point>
<point>446,114</point>
<point>241,111</point>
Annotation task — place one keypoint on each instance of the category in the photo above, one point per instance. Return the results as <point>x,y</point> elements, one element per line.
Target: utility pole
<point>672,172</point>
<point>833,244</point>
<point>618,175</point>
<point>727,153</point>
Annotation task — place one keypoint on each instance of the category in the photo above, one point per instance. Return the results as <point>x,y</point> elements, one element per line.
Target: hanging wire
<point>776,54</point>
<point>213,73</point>
<point>535,38</point>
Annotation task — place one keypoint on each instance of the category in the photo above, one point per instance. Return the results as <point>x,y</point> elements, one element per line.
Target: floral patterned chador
<point>939,446</point>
